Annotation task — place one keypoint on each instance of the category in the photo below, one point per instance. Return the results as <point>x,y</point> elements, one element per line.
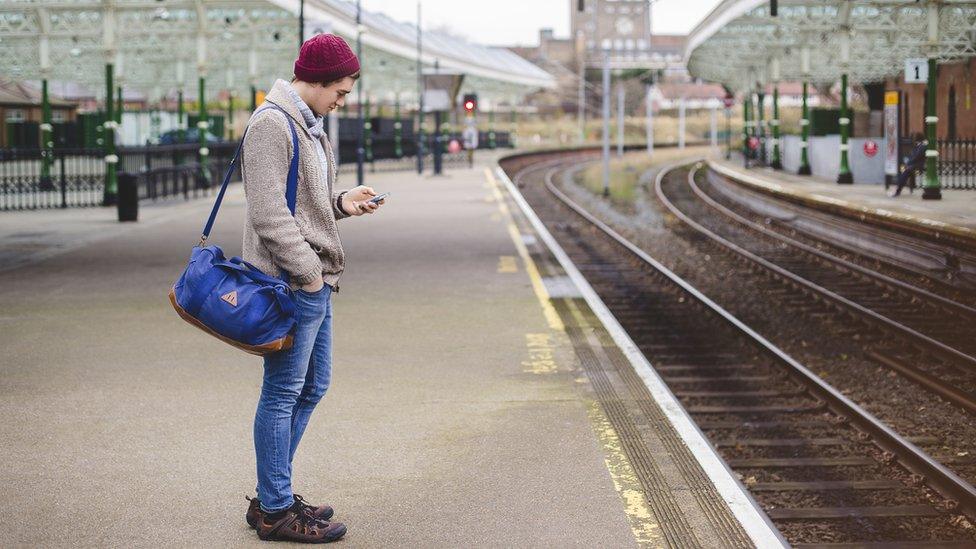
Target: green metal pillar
<point>513,136</point>
<point>760,128</point>
<point>203,124</point>
<point>397,129</point>
<point>845,176</point>
<point>110,194</point>
<point>119,105</point>
<point>254,99</point>
<point>777,163</point>
<point>230,116</point>
<point>491,128</point>
<point>47,141</point>
<point>805,134</point>
<point>932,189</point>
<point>746,122</point>
<point>367,132</point>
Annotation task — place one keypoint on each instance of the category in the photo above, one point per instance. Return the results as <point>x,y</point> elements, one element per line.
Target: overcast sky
<point>511,22</point>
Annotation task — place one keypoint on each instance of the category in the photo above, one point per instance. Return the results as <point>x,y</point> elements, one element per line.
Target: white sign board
<point>916,71</point>
<point>436,100</point>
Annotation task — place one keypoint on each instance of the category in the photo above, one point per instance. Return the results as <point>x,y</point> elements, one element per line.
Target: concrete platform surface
<point>455,418</point>
<point>955,214</point>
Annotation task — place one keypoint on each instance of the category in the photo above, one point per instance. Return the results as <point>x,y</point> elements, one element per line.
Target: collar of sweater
<point>312,122</point>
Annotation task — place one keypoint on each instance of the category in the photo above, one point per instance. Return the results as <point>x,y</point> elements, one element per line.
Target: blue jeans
<point>294,381</point>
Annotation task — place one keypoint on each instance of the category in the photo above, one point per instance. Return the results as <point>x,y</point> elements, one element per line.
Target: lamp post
<point>606,123</point>
<point>301,23</point>
<point>360,138</point>
<point>420,98</point>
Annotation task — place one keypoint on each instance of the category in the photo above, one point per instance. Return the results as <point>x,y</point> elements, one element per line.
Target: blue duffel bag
<point>231,299</point>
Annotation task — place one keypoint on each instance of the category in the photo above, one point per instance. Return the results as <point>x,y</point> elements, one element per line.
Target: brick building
<point>954,102</point>
<point>20,106</point>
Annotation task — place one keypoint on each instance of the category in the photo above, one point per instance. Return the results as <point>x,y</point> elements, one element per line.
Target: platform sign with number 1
<point>916,71</point>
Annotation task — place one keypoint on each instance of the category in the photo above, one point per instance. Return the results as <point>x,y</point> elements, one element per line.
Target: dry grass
<point>625,171</point>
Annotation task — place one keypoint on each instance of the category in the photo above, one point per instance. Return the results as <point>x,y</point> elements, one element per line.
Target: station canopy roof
<point>159,46</point>
<point>740,44</point>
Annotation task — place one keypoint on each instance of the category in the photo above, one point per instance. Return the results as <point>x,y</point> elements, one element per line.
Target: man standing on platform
<point>914,162</point>
<point>305,247</point>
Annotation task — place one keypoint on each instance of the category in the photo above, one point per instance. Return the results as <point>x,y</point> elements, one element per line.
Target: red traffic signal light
<point>470,103</point>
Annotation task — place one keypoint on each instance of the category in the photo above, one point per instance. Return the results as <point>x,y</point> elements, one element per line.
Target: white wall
<point>824,155</point>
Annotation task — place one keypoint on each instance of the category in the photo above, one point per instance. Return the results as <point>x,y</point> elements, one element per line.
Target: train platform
<point>477,399</point>
<point>951,219</point>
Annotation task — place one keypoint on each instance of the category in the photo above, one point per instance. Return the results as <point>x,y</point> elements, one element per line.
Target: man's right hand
<point>313,286</point>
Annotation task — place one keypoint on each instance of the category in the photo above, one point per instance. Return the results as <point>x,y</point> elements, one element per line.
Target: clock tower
<point>621,27</point>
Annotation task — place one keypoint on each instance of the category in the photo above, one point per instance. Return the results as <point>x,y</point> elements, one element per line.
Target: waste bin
<point>128,197</point>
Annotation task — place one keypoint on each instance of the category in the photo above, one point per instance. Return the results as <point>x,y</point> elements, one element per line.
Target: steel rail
<point>910,456</point>
<point>939,387</point>
<point>891,282</point>
<point>945,390</point>
<point>932,343</point>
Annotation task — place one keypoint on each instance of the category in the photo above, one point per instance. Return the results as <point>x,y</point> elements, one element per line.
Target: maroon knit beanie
<point>325,58</point>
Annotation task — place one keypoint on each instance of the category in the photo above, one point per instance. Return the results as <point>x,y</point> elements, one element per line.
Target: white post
<point>714,128</point>
<point>681,123</point>
<point>606,124</point>
<point>650,121</point>
<point>620,118</point>
<point>581,92</point>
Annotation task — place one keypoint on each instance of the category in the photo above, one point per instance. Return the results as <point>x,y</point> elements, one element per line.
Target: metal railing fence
<point>957,163</point>
<point>76,177</point>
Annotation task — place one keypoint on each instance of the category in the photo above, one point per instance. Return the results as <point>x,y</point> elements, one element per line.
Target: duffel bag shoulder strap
<point>291,188</point>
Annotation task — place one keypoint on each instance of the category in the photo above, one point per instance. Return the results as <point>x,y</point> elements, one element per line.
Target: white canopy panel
<point>740,44</point>
<point>158,46</point>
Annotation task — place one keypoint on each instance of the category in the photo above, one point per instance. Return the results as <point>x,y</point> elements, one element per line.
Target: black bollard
<point>128,197</point>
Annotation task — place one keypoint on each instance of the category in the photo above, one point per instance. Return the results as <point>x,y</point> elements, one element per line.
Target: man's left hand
<point>357,201</point>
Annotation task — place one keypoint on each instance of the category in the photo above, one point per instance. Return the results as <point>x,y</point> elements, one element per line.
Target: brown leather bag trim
<point>260,350</point>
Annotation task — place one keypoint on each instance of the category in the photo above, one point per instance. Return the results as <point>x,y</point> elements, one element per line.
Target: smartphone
<point>378,198</point>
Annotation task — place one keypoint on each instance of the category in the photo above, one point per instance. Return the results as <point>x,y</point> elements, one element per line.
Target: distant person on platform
<point>914,163</point>
<point>306,247</point>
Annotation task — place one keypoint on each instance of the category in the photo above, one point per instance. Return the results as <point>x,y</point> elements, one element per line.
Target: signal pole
<point>606,123</point>
<point>360,146</point>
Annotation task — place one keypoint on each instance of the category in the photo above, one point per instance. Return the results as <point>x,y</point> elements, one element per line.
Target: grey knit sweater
<point>308,243</point>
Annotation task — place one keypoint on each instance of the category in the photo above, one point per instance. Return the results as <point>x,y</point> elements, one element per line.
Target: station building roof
<point>156,46</point>
<point>740,44</point>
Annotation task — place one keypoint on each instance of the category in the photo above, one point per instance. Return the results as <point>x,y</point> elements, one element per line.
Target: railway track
<point>824,470</point>
<point>922,335</point>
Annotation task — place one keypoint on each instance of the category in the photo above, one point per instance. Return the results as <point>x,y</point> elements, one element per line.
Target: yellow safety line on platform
<point>643,524</point>
<point>552,317</point>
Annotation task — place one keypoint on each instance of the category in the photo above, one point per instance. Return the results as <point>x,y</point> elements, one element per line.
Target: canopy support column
<point>760,128</point>
<point>111,160</point>
<point>805,135</point>
<point>746,122</point>
<point>777,163</point>
<point>397,128</point>
<point>845,177</point>
<point>203,124</point>
<point>933,188</point>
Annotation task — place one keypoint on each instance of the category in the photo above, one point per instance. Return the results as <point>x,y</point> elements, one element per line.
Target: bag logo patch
<point>230,297</point>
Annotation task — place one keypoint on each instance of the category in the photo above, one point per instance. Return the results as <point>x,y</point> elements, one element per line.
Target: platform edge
<point>752,518</point>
